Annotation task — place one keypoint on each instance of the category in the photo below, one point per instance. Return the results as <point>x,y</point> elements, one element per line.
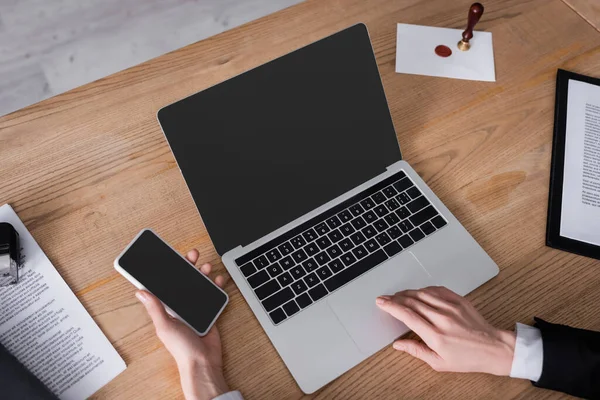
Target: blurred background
<point>48,47</point>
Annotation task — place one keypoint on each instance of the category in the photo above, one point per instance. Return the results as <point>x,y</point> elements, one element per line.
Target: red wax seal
<point>443,51</point>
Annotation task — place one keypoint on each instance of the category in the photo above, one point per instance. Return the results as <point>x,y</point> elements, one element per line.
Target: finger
<point>428,313</point>
<point>220,281</point>
<point>192,256</point>
<point>408,316</point>
<point>155,310</point>
<point>445,293</point>
<point>418,350</point>
<point>431,299</point>
<point>206,269</point>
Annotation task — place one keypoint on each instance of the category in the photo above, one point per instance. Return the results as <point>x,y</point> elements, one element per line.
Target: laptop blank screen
<point>265,147</point>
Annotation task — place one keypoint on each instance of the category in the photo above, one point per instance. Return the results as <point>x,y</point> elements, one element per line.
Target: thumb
<point>418,350</point>
<point>155,309</point>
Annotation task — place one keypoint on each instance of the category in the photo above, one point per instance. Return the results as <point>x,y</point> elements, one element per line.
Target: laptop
<point>296,171</point>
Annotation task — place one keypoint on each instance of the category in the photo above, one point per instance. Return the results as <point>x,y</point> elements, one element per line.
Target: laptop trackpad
<point>370,328</point>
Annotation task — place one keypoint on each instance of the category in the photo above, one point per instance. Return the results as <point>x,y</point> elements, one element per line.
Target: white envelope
<point>415,53</point>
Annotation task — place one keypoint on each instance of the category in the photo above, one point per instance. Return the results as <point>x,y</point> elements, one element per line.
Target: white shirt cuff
<point>230,396</point>
<point>529,353</point>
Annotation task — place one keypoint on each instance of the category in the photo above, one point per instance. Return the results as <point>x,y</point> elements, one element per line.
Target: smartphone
<point>187,294</point>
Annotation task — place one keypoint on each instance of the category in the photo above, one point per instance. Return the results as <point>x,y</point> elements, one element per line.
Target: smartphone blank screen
<point>173,280</point>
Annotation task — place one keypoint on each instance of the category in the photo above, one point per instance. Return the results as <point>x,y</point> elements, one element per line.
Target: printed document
<point>43,324</point>
<point>580,215</point>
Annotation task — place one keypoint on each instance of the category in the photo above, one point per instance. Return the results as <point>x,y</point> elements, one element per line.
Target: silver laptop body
<point>320,342</point>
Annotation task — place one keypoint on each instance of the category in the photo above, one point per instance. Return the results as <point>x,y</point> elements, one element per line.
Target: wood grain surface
<point>88,169</point>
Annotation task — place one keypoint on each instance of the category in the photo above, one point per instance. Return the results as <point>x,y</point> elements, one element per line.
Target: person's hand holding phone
<point>199,359</point>
<point>456,338</point>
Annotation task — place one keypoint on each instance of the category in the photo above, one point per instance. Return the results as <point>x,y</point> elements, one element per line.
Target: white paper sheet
<point>415,53</point>
<point>580,215</point>
<point>44,325</point>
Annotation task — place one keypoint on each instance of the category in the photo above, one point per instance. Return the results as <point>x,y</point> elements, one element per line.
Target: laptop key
<point>286,248</point>
<point>299,256</point>
<point>336,266</point>
<point>417,204</point>
<point>403,213</point>
<point>357,238</point>
<point>322,258</point>
<point>358,223</point>
<point>248,269</point>
<point>394,232</point>
<point>381,210</point>
<point>348,259</point>
<point>258,279</point>
<point>287,263</point>
<point>406,226</point>
<point>311,249</point>
<point>369,231</point>
<point>392,204</point>
<point>391,219</point>
<point>284,279</point>
<point>423,215</point>
<point>310,265</point>
<point>322,228</point>
<point>317,292</point>
<point>438,221</point>
<point>323,242</point>
<point>277,316</point>
<point>416,234</point>
<point>335,235</point>
<point>383,239</point>
<point>371,245</point>
<point>309,235</point>
<point>392,249</point>
<point>273,255</point>
<point>346,244</point>
<point>304,300</point>
<point>279,298</point>
<point>367,203</point>
<point>347,229</point>
<point>291,308</point>
<point>324,272</point>
<point>403,198</point>
<point>356,210</point>
<point>360,252</point>
<point>379,198</point>
<point>298,272</point>
<point>298,242</point>
<point>261,262</point>
<point>311,279</point>
<point>267,289</point>
<point>274,270</point>
<point>403,184</point>
<point>345,216</point>
<point>299,287</point>
<point>348,274</point>
<point>413,192</point>
<point>370,216</point>
<point>334,251</point>
<point>405,241</point>
<point>389,192</point>
<point>427,228</point>
<point>380,225</point>
<point>334,222</point>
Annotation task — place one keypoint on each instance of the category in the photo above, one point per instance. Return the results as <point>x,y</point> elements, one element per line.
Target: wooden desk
<point>88,169</point>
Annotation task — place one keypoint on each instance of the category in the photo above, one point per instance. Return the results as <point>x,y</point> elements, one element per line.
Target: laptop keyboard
<point>302,266</point>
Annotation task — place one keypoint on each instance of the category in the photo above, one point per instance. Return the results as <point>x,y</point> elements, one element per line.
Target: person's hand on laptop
<point>198,359</point>
<point>456,338</point>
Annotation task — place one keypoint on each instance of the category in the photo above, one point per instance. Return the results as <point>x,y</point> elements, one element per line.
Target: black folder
<point>553,236</point>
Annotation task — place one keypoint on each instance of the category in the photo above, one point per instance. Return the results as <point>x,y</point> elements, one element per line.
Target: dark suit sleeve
<point>16,382</point>
<point>571,360</point>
